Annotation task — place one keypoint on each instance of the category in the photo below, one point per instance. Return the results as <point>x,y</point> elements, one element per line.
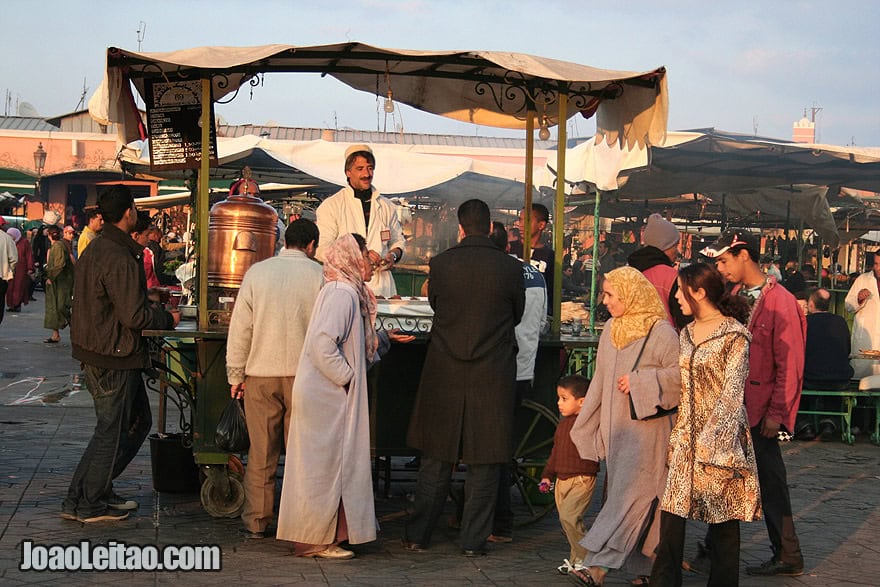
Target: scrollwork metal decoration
<point>513,96</point>
<point>254,81</point>
<point>516,95</point>
<point>159,375</point>
<point>221,81</point>
<point>406,324</point>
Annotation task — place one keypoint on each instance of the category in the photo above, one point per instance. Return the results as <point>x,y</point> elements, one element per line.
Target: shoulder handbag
<point>632,408</point>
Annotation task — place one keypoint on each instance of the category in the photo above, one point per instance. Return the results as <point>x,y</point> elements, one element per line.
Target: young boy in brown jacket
<point>575,477</point>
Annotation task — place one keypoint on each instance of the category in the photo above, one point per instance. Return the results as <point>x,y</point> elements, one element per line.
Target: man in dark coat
<point>465,402</point>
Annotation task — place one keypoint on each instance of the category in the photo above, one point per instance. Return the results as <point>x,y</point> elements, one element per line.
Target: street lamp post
<point>39,165</point>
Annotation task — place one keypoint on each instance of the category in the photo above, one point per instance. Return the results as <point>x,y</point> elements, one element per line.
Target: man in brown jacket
<point>110,309</point>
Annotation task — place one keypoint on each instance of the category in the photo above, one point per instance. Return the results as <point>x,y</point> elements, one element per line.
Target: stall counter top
<point>188,329</point>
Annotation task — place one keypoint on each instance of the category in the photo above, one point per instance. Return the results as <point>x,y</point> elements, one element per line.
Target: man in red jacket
<point>773,387</point>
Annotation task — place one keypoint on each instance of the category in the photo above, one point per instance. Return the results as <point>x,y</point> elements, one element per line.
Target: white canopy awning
<point>490,88</point>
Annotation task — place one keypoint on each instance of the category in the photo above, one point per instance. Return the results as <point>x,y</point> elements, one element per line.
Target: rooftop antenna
<point>755,125</point>
<point>814,110</point>
<point>141,32</point>
<point>82,97</point>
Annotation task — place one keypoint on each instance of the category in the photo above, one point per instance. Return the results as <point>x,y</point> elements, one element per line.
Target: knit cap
<point>660,233</point>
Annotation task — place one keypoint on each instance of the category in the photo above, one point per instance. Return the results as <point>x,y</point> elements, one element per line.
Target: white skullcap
<point>356,149</point>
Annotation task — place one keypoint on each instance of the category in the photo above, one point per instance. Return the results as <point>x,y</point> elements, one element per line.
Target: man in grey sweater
<point>266,334</point>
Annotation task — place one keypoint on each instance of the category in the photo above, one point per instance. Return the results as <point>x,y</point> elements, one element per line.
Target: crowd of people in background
<point>48,250</point>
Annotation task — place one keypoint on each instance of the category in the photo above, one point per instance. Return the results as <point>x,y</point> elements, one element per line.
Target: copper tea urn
<point>241,232</point>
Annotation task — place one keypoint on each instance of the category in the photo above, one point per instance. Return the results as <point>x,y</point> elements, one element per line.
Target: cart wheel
<point>538,424</point>
<point>218,505</point>
<point>235,467</point>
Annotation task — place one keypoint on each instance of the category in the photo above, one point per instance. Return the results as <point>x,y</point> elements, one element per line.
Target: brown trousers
<point>572,501</point>
<point>267,407</point>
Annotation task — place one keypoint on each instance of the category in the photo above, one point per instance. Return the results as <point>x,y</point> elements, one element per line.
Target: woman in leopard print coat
<point>712,473</point>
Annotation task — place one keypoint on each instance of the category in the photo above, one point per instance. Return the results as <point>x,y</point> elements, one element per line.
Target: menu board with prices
<point>173,114</point>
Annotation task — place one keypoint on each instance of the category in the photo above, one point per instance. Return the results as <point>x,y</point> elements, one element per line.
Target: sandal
<point>52,340</point>
<point>583,577</point>
<point>641,580</point>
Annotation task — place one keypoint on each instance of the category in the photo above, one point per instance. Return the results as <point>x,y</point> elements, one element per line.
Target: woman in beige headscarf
<point>636,376</point>
<point>327,494</point>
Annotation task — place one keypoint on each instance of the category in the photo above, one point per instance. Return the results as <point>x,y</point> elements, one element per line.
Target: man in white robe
<point>359,208</point>
<point>863,301</point>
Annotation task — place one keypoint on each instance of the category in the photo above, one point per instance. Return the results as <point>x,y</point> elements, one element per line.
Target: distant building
<point>804,131</point>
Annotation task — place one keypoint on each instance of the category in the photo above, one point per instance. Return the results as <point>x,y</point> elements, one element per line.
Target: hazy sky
<point>732,65</point>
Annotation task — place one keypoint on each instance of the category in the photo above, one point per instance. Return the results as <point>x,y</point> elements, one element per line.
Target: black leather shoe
<point>775,567</point>
<point>412,546</point>
<point>473,553</point>
<point>807,432</point>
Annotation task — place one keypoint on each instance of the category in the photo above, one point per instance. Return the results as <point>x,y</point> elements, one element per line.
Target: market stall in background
<point>707,180</point>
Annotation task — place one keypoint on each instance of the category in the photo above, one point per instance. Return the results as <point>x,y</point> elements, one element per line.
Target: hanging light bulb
<point>389,102</point>
<point>544,133</point>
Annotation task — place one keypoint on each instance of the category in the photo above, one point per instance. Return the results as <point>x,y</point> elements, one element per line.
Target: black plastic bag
<point>232,434</point>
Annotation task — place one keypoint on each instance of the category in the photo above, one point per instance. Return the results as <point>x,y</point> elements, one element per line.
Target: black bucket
<point>174,469</point>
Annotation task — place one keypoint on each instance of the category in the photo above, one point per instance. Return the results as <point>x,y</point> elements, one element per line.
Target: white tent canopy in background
<point>754,173</point>
<point>401,170</point>
<point>727,159</point>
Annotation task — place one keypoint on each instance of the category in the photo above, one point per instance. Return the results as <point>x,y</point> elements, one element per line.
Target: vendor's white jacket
<point>343,213</point>
<point>866,323</point>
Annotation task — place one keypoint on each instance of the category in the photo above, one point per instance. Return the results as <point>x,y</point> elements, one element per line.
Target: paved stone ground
<point>45,424</point>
